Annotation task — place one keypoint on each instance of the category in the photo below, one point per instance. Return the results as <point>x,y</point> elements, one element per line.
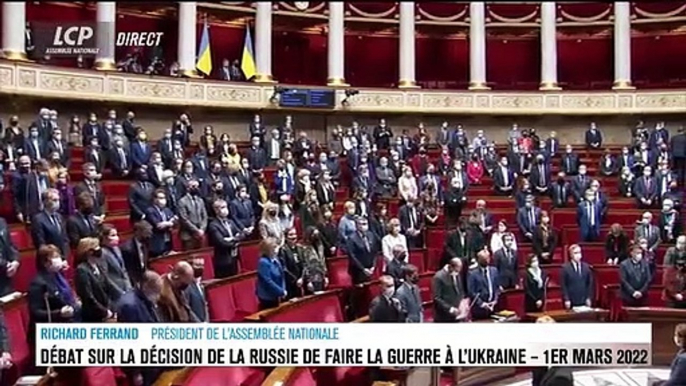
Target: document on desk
<point>580,309</point>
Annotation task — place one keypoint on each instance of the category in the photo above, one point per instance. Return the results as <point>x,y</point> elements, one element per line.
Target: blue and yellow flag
<point>248,57</point>
<point>204,63</point>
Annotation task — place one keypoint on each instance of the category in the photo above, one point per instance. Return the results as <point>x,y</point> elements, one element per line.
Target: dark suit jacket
<point>94,290</point>
<point>507,268</point>
<point>385,310</point>
<point>197,303</point>
<point>478,288</point>
<point>25,194</point>
<point>553,376</point>
<point>634,277</point>
<point>116,162</point>
<point>139,155</point>
<point>570,164</point>
<point>65,155</point>
<point>96,193</point>
<point>576,287</point>
<point>80,226</point>
<point>677,374</point>
<point>359,256</point>
<point>394,268</point>
<point>446,295</point>
<point>225,252</point>
<point>44,231</point>
<point>242,213</point>
<point>455,246</point>
<point>45,302</point>
<point>534,292</point>
<point>140,199</point>
<point>160,242</point>
<point>8,253</point>
<point>134,307</point>
<point>134,262</point>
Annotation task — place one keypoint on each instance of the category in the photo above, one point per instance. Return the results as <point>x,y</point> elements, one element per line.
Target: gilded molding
<point>21,78</point>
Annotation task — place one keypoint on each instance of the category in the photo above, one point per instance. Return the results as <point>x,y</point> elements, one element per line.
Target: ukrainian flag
<point>248,58</point>
<point>204,63</point>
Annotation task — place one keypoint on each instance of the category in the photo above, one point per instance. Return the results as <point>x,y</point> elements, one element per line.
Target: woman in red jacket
<point>475,170</point>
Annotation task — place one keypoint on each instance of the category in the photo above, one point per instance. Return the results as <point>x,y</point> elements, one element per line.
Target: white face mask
<point>388,292</point>
<point>577,257</point>
<point>582,172</point>
<point>364,228</point>
<point>56,263</point>
<point>534,264</point>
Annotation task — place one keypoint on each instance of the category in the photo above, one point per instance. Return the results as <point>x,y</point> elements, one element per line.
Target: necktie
<point>591,215</point>
<point>55,221</point>
<point>648,183</point>
<point>456,284</point>
<point>89,224</point>
<point>366,242</point>
<point>413,219</point>
<point>533,218</point>
<point>490,285</point>
<point>122,157</point>
<point>577,268</point>
<point>541,170</point>
<point>648,231</point>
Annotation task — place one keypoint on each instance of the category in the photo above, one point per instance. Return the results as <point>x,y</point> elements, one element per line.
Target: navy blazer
<point>478,288</point>
<point>139,156</point>
<point>25,196</point>
<point>242,213</point>
<point>134,307</point>
<point>8,253</point>
<point>642,190</point>
<point>44,231</point>
<point>271,284</point>
<point>196,301</point>
<point>583,218</point>
<point>576,287</point>
<point>677,374</point>
<point>524,219</point>
<point>161,239</point>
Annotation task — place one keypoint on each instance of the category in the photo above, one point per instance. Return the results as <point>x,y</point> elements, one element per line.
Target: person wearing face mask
<point>482,287</point>
<point>91,282</point>
<point>646,230</point>
<point>676,252</point>
<point>394,266</point>
<point>34,147</point>
<point>669,222</point>
<point>193,217</point>
<point>386,185</point>
<point>314,270</point>
<point>616,245</point>
<point>385,308</point>
<point>14,136</point>
<point>407,185</point>
<point>119,159</point>
<point>528,218</point>
<point>328,232</point>
<point>408,294</point>
<point>580,183</point>
<point>540,176</point>
<point>156,170</point>
<point>678,146</point>
<point>576,280</point>
<point>140,195</point>
<point>82,224</point>
<point>362,250</point>
<point>634,280</point>
<point>507,263</point>
<point>411,217</point>
<point>162,220</point>
<point>626,182</point>
<point>524,190</point>
<point>504,178</point>
<point>195,292</point>
<point>283,181</point>
<point>560,191</point>
<point>271,279</point>
<point>57,144</point>
<point>242,212</point>
<point>92,129</point>
<point>674,282</point>
<point>113,262</point>
<point>570,162</point>
<point>346,225</point>
<point>170,185</point>
<point>48,225</point>
<point>141,150</point>
<point>588,214</point>
<point>224,235</point>
<point>173,303</point>
<point>291,256</point>
<point>383,134</point>
<point>140,306</point>
<point>535,286</point>
<point>593,137</point>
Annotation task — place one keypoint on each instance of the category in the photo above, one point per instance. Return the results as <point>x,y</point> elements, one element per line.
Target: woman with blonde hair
<point>269,225</point>
<point>91,282</point>
<point>407,185</point>
<point>271,280</point>
<point>347,225</point>
<point>392,239</point>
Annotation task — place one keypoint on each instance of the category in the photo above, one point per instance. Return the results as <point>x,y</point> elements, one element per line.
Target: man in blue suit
<point>48,226</point>
<point>588,215</point>
<point>283,182</point>
<point>626,159</point>
<point>362,251</point>
<point>140,150</point>
<point>195,292</point>
<point>242,212</point>
<point>140,306</point>
<point>576,280</point>
<point>677,374</point>
<point>162,221</point>
<point>594,138</point>
<point>528,217</point>
<point>482,287</point>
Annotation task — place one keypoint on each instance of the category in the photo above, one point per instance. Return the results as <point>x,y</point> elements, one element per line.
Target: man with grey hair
<point>385,308</point>
<point>387,183</point>
<point>408,293</point>
<point>677,252</point>
<point>362,248</point>
<point>646,230</point>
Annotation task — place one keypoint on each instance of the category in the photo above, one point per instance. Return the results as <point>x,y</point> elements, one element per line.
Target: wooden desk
<point>568,316</point>
<point>663,321</point>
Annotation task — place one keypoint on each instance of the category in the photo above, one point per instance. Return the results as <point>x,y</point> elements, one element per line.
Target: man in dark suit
<point>576,280</point>
<point>91,186</point>
<point>646,230</point>
<point>385,308</point>
<point>540,175</point>
<point>140,150</point>
<point>162,220</point>
<point>570,162</point>
<point>634,280</point>
<point>82,223</point>
<point>678,147</point>
<point>412,224</point>
<point>48,226</point>
<point>134,251</point>
<point>195,292</point>
<point>242,212</point>
<point>528,218</point>
<point>362,250</point>
<point>223,235</point>
<point>645,189</point>
<point>677,375</point>
<point>119,159</point>
<point>580,183</point>
<point>257,156</point>
<point>482,287</point>
<point>594,138</point>
<point>450,302</point>
<point>140,306</point>
<point>588,214</point>
<point>626,159</point>
<point>504,178</point>
<point>165,147</point>
<point>140,195</point>
<point>552,144</point>
<point>396,266</point>
<point>455,245</point>
<point>34,146</point>
<point>409,295</point>
<point>27,189</point>
<point>9,259</point>
<point>560,191</point>
<point>58,144</point>
<point>507,263</point>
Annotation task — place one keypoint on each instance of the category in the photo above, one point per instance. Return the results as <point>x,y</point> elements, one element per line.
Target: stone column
<point>622,46</point>
<point>548,46</point>
<point>106,16</point>
<point>187,44</point>
<point>13,30</point>
<point>336,44</point>
<point>407,43</point>
<point>263,42</point>
<point>477,46</point>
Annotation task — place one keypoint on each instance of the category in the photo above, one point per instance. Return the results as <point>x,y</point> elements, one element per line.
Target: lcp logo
<point>73,40</point>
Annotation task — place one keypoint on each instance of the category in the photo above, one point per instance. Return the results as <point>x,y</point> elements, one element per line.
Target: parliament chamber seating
<point>231,299</point>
